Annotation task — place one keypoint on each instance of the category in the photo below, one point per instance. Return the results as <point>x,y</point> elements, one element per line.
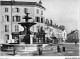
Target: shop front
<point>15,37</point>
<point>39,38</point>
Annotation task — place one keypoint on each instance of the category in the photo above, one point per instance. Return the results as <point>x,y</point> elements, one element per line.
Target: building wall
<point>5,22</point>
<point>38,24</point>
<point>0,23</point>
<point>64,35</point>
<point>72,37</point>
<point>52,32</point>
<point>33,13</point>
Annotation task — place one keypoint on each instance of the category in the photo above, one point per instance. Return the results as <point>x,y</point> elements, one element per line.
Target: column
<point>31,39</point>
<point>10,38</point>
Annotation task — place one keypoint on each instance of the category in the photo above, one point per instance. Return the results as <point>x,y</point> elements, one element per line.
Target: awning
<point>15,33</point>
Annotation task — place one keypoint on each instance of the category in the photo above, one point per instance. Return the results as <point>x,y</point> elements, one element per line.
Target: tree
<point>62,27</point>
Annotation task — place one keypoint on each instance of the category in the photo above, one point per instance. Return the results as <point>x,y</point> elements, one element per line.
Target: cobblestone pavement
<point>71,50</point>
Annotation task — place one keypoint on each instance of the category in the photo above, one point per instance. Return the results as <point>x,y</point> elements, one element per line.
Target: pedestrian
<point>63,49</point>
<point>40,49</point>
<point>75,42</point>
<point>13,50</point>
<point>58,49</point>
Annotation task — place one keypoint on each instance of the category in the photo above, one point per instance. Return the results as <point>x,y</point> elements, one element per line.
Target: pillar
<point>31,39</point>
<point>10,38</point>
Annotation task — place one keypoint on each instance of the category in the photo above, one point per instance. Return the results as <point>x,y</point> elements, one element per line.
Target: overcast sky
<point>62,12</point>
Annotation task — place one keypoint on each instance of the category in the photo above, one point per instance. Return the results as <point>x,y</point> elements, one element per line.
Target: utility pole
<point>11,15</point>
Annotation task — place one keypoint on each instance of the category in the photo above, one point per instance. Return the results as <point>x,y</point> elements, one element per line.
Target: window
<point>7,18</point>
<point>41,12</point>
<point>16,28</point>
<point>17,18</point>
<point>17,10</point>
<point>38,27</point>
<point>7,37</point>
<point>41,20</point>
<point>2,18</point>
<point>25,10</point>
<point>13,18</point>
<point>37,19</point>
<point>6,28</point>
<point>41,29</point>
<point>47,21</point>
<point>6,9</point>
<point>37,11</point>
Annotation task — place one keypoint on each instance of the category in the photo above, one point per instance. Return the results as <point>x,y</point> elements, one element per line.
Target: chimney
<point>40,2</point>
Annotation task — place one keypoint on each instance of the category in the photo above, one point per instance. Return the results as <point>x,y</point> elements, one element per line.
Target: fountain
<point>27,26</point>
<point>27,46</point>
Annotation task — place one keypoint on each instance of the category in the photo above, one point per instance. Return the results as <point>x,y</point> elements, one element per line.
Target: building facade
<point>13,12</point>
<point>73,36</point>
<point>54,34</point>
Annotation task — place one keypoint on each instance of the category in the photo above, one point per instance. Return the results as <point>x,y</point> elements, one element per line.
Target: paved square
<point>70,50</point>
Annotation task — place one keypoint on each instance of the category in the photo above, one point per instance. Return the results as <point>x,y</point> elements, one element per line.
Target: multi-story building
<point>12,13</point>
<point>73,36</point>
<point>54,33</point>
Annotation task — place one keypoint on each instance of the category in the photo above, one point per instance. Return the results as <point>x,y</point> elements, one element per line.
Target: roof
<point>21,3</point>
<point>54,26</point>
<point>72,32</point>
